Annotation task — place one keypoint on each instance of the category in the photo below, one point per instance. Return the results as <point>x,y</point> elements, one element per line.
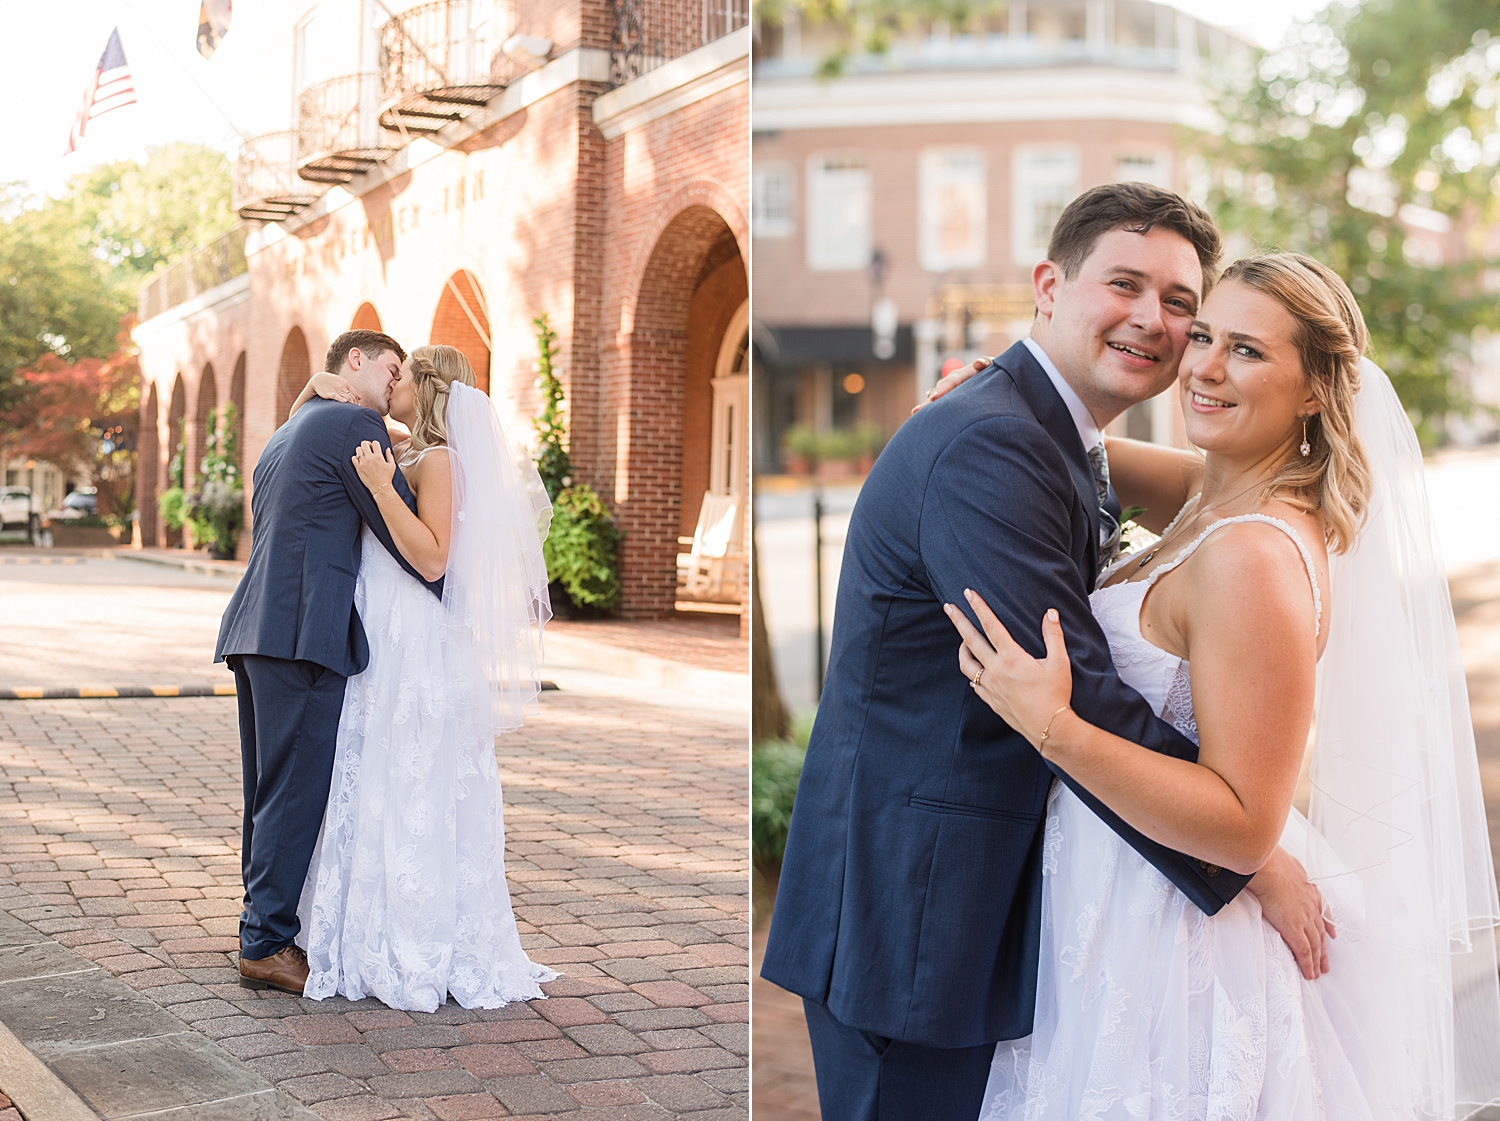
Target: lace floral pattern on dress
<point>406,897</point>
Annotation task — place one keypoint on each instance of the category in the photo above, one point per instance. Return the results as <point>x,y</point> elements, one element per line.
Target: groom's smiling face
<point>1117,329</point>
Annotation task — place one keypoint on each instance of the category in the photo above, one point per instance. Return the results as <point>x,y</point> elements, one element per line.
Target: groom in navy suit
<point>292,637</point>
<point>908,910</point>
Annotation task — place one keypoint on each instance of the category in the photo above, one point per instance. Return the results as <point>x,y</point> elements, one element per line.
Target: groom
<point>908,910</point>
<point>291,636</point>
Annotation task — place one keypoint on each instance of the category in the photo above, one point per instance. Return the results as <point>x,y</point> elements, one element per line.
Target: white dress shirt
<point>1088,431</point>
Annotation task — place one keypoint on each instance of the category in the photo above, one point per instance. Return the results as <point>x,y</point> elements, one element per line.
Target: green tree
<point>55,300</point>
<point>140,217</point>
<point>551,424</point>
<point>1370,122</point>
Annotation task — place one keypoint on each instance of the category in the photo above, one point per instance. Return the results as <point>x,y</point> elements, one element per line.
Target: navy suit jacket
<point>910,895</point>
<point>296,599</point>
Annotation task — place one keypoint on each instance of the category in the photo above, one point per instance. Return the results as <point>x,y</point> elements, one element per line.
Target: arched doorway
<point>203,419</point>
<point>366,319</point>
<point>293,373</point>
<point>148,469</point>
<point>237,398</point>
<point>692,288</point>
<point>462,321</point>
<point>176,434</point>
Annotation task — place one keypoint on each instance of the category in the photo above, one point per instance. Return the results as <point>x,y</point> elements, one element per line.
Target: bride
<point>405,898</point>
<point>1302,533</point>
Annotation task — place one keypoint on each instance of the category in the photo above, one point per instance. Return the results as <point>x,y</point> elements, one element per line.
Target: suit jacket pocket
<point>341,568</point>
<point>937,806</point>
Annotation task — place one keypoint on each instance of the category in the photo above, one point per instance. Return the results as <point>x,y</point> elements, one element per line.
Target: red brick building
<point>911,197</point>
<point>462,167</point>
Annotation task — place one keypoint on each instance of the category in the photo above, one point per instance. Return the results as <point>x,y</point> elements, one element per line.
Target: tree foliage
<point>1364,139</point>
<point>70,269</point>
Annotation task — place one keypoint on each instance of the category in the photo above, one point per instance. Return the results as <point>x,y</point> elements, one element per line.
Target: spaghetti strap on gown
<point>1149,1009</point>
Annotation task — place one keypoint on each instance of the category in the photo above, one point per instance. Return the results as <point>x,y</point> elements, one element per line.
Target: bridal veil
<point>1395,778</point>
<point>496,585</point>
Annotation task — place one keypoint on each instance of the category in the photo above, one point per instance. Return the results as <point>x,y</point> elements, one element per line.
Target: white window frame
<point>846,246</point>
<point>1033,185</point>
<point>955,172</point>
<point>731,410</point>
<point>766,221</point>
<point>1128,161</point>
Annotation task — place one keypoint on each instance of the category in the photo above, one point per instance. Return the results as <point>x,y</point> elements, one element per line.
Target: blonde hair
<point>433,370</point>
<point>1331,338</point>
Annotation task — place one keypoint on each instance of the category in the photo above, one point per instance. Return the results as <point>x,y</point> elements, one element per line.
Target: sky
<point>48,52</point>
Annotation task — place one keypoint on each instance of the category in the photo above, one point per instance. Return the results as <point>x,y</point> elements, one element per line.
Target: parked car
<point>18,513</point>
<point>81,503</point>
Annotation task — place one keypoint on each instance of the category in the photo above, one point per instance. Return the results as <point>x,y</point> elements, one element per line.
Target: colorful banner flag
<point>110,88</point>
<point>213,24</point>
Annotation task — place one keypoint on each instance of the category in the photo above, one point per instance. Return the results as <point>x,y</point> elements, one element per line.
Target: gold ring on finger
<point>975,680</point>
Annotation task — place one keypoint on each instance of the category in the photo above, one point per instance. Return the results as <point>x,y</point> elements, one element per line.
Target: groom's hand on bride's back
<point>1294,906</point>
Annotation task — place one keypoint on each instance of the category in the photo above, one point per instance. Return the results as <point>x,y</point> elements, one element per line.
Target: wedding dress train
<point>406,898</point>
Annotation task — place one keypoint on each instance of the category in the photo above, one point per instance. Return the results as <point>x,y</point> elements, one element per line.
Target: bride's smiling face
<point>1242,386</point>
<point>404,396</point>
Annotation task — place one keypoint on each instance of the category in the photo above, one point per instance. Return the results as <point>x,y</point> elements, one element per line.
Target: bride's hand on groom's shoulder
<point>954,380</point>
<point>334,387</point>
<point>1294,906</point>
<point>376,466</point>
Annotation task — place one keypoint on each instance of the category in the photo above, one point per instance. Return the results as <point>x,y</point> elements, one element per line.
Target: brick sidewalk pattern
<point>626,855</point>
<point>705,641</point>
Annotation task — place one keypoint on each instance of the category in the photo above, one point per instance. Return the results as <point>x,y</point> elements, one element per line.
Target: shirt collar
<point>1088,431</point>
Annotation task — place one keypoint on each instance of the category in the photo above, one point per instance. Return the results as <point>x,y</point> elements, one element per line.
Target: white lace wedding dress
<point>1149,1009</point>
<point>406,897</point>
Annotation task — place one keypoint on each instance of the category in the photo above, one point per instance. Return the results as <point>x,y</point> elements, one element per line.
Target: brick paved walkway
<point>626,829</point>
<point>705,641</point>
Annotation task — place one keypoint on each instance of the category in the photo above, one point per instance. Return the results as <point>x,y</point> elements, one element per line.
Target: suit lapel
<point>1037,389</point>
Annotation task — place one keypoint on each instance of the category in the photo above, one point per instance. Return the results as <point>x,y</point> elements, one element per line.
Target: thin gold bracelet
<point>377,493</point>
<point>1047,731</point>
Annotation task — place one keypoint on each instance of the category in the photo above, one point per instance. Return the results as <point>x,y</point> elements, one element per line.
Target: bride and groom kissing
<point>1059,874</point>
<point>386,629</point>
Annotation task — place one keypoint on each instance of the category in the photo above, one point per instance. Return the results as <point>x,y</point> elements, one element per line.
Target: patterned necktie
<point>1109,529</point>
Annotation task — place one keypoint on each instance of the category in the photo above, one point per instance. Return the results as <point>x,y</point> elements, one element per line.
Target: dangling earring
<point>1306,448</point>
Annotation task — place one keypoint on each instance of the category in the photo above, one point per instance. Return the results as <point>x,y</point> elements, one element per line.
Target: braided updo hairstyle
<point>433,370</point>
<point>1331,339</point>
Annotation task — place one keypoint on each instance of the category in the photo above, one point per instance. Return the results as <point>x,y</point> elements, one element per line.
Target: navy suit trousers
<point>289,726</point>
<point>867,1077</point>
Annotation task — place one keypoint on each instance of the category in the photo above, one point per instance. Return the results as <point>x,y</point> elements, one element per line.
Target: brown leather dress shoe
<point>286,970</point>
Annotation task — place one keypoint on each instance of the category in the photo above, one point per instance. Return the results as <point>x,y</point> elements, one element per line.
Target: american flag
<point>110,88</point>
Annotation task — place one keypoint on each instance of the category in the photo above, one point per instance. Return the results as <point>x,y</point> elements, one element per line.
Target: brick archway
<point>237,399</point>
<point>176,424</point>
<point>148,467</point>
<point>462,321</point>
<point>646,400</point>
<point>197,442</point>
<point>366,318</point>
<point>292,374</point>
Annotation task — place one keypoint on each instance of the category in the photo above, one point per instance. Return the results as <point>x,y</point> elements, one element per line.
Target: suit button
<point>1211,869</point>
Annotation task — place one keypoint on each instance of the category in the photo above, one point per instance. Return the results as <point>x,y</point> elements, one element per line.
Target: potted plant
<point>799,449</point>
<point>838,448</point>
<point>871,439</point>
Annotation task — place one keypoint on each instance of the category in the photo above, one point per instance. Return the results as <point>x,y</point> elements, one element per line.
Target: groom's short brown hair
<point>372,344</point>
<point>1139,208</point>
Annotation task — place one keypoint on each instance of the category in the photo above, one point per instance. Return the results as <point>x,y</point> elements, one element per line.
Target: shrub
<point>172,503</point>
<point>217,508</point>
<point>801,440</point>
<point>775,768</point>
<point>582,548</point>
